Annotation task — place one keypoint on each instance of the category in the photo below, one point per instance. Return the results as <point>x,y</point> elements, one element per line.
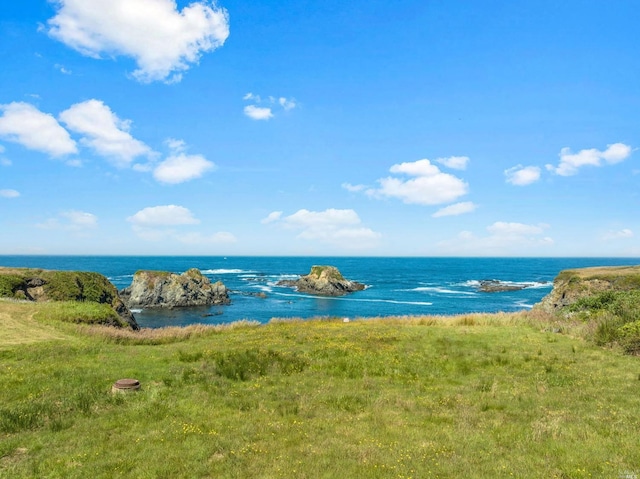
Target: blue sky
<point>426,128</point>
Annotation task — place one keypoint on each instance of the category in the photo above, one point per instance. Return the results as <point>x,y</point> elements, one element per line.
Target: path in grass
<point>18,326</point>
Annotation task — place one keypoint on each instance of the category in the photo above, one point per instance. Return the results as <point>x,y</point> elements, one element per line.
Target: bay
<point>395,286</point>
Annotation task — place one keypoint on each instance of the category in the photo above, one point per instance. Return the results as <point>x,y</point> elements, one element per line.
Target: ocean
<point>395,286</point>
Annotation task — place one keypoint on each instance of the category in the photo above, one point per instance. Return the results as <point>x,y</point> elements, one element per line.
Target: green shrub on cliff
<point>9,283</point>
<point>616,315</point>
<point>78,286</point>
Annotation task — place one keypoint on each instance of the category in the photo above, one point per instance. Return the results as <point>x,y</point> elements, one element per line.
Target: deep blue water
<point>396,286</point>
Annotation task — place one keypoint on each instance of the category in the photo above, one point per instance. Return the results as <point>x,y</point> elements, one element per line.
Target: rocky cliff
<point>161,289</point>
<point>574,284</point>
<point>44,285</point>
<point>324,281</point>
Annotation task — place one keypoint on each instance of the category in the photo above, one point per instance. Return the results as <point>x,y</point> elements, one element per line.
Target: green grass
<point>474,397</point>
<point>78,312</point>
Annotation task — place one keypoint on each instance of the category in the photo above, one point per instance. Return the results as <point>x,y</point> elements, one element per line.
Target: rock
<point>161,289</point>
<point>496,286</point>
<point>323,281</point>
<point>573,284</point>
<point>46,285</point>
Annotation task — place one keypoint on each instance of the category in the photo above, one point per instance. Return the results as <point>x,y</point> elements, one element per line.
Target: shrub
<point>9,283</point>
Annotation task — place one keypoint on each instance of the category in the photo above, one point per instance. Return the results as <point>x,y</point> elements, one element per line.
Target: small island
<point>162,289</point>
<point>323,281</point>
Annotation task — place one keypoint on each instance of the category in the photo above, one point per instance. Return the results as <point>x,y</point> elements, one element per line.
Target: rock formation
<point>497,286</point>
<point>161,289</point>
<point>572,284</point>
<point>44,285</point>
<point>324,281</point>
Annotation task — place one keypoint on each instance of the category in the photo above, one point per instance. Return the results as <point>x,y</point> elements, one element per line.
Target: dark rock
<point>324,281</point>
<point>161,289</point>
<point>496,286</point>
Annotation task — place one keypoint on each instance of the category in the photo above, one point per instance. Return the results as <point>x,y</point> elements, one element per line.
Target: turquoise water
<point>395,286</point>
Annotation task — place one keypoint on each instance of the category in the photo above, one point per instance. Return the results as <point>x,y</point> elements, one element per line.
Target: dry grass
<point>19,327</point>
<point>598,271</point>
<point>166,335</point>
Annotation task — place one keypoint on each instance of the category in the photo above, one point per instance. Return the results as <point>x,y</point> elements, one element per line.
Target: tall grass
<point>473,396</point>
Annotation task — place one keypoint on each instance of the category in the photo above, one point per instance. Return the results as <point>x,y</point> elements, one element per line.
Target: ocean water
<point>395,286</point>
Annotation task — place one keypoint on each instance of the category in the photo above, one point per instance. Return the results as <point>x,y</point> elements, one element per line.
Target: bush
<point>9,283</point>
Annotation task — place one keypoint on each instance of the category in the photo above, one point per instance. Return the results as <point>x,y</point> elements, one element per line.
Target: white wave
<point>440,290</point>
<point>266,289</point>
<point>522,304</point>
<point>225,271</point>
<point>474,283</point>
<point>120,276</point>
<point>360,300</point>
<point>135,311</point>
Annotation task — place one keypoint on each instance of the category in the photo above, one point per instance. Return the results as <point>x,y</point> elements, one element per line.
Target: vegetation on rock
<point>324,281</point>
<point>68,287</point>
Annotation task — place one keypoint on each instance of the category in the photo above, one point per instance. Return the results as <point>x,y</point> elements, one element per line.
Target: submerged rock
<point>324,281</point>
<point>161,289</point>
<point>497,286</point>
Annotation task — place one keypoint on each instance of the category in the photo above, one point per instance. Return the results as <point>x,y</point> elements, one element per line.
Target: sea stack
<point>324,281</point>
<point>161,289</point>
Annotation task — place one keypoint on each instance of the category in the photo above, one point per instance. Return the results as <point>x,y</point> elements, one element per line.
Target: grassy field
<point>466,397</point>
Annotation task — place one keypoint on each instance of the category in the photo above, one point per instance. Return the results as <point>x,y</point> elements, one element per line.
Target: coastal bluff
<point>323,281</point>
<point>574,284</point>
<point>39,285</point>
<point>162,289</point>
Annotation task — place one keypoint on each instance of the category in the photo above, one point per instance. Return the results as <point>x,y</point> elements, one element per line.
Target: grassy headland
<point>502,395</point>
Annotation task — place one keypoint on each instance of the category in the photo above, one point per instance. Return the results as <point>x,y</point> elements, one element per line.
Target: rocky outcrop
<point>572,285</point>
<point>497,286</point>
<point>45,285</point>
<point>324,281</point>
<point>161,289</point>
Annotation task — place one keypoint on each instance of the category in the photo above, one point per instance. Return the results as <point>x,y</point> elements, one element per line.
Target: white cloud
<point>104,132</point>
<point>162,40</point>
<point>169,215</point>
<point>522,175</point>
<point>454,162</point>
<point>287,103</point>
<point>222,237</point>
<point>504,229</point>
<point>353,188</point>
<point>271,217</point>
<point>455,209</point>
<point>175,145</point>
<point>342,227</point>
<point>615,235</point>
<point>72,220</point>
<point>62,69</point>
<point>504,238</point>
<point>5,162</point>
<point>9,194</point>
<point>571,162</point>
<point>430,187</point>
<point>80,219</point>
<point>179,168</point>
<point>25,124</point>
<point>258,113</point>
